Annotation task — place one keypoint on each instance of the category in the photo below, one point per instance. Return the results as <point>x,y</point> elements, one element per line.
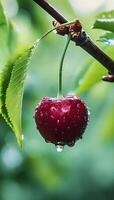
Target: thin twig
<point>83,40</point>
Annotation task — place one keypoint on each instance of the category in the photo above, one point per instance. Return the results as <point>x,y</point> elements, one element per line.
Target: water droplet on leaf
<point>22,137</point>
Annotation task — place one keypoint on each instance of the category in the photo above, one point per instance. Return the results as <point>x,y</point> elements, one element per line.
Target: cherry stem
<point>60,88</point>
<point>53,29</point>
<point>83,40</point>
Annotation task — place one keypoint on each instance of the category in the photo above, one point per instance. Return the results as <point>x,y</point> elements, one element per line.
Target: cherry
<point>61,121</point>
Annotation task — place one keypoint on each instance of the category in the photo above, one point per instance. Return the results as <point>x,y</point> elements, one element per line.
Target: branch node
<point>74,29</point>
<point>108,78</point>
<point>82,39</point>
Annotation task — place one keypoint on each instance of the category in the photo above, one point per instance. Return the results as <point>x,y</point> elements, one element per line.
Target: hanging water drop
<point>59,148</point>
<point>71,144</point>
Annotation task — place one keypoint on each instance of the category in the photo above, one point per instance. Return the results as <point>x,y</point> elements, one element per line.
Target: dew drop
<point>22,137</point>
<point>88,113</point>
<point>65,109</point>
<point>103,16</point>
<point>64,119</point>
<point>71,144</point>
<point>52,117</point>
<point>53,109</point>
<point>58,121</point>
<point>68,127</point>
<point>46,114</point>
<point>85,118</point>
<point>55,31</point>
<point>41,114</point>
<point>59,148</point>
<point>78,105</point>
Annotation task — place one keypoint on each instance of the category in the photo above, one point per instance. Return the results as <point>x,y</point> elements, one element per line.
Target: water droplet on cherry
<point>65,109</point>
<point>59,148</point>
<point>88,112</point>
<point>58,121</point>
<point>52,117</point>
<point>78,105</point>
<point>71,144</point>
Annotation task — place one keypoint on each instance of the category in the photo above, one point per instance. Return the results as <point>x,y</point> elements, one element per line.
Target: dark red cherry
<point>61,121</point>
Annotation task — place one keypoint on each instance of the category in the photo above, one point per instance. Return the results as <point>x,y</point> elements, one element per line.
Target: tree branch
<point>82,40</point>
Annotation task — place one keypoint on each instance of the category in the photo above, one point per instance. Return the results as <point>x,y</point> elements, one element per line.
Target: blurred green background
<point>38,172</point>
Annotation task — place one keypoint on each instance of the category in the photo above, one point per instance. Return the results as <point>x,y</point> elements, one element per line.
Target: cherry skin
<point>61,121</point>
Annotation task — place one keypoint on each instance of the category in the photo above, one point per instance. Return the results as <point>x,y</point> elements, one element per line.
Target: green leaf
<point>4,82</point>
<point>3,27</point>
<point>3,33</point>
<point>7,37</point>
<point>11,91</point>
<point>105,21</point>
<point>3,20</point>
<point>108,39</point>
<point>12,38</point>
<point>93,75</point>
<point>107,131</point>
<point>106,14</point>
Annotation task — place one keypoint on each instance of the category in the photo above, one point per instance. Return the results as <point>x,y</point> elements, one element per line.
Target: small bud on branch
<point>73,28</point>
